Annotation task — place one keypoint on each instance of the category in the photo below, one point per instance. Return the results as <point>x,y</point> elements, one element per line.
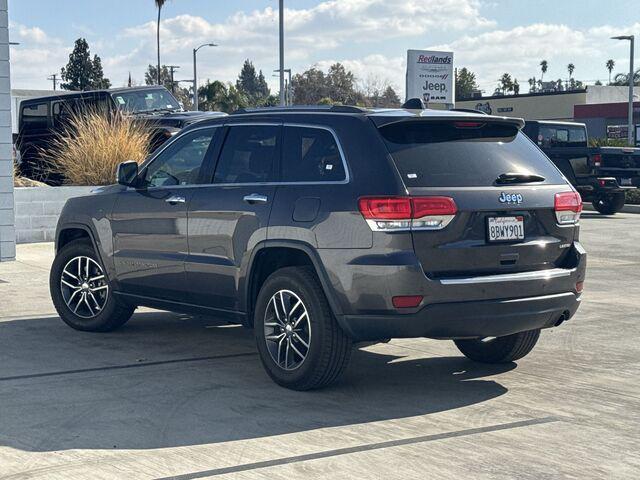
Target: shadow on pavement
<point>166,380</point>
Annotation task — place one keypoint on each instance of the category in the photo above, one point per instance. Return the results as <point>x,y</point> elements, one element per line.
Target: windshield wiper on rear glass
<point>506,178</point>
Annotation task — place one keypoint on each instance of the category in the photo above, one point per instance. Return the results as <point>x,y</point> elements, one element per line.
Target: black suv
<point>322,227</point>
<point>40,119</point>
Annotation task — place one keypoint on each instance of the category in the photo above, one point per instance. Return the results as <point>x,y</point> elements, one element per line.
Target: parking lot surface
<point>174,396</point>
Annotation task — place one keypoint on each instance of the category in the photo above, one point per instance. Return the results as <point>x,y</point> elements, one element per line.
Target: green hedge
<point>633,197</point>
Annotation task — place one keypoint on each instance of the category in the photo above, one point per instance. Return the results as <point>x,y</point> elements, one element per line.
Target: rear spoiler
<point>381,120</point>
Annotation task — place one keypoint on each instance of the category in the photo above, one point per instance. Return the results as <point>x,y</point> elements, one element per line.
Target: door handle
<point>255,198</point>
<point>175,199</point>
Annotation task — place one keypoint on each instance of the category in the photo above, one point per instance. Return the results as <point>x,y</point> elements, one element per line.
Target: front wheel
<point>609,204</point>
<point>300,343</point>
<point>81,292</point>
<point>499,349</point>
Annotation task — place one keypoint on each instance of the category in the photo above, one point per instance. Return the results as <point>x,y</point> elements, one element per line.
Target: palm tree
<point>571,67</point>
<point>159,4</point>
<point>610,65</point>
<point>544,66</point>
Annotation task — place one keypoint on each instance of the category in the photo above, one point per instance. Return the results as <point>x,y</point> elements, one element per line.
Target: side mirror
<point>127,173</point>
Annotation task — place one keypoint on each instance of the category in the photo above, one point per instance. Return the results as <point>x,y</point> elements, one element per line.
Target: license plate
<point>626,182</point>
<point>502,229</point>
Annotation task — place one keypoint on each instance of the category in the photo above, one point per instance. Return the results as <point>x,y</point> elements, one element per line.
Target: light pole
<point>288,88</point>
<point>281,14</point>
<point>195,73</point>
<point>630,114</point>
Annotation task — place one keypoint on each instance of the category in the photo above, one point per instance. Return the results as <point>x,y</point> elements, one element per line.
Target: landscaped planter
<point>37,210</point>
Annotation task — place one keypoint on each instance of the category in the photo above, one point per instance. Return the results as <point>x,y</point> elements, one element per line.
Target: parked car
<point>323,227</point>
<point>600,174</point>
<point>40,119</point>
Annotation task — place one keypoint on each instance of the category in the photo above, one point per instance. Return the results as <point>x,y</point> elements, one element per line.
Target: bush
<point>608,142</point>
<point>88,151</point>
<point>633,197</point>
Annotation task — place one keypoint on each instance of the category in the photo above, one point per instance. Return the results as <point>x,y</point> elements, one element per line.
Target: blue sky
<point>370,37</point>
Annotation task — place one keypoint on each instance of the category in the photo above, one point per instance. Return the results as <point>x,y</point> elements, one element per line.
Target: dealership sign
<point>430,76</point>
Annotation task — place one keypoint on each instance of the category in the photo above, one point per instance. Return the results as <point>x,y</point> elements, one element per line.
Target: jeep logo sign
<point>510,198</point>
<point>430,76</point>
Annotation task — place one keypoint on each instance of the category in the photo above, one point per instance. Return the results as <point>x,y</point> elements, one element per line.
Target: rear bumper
<point>476,319</point>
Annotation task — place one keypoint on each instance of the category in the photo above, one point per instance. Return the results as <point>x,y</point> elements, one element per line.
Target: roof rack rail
<point>468,110</point>
<point>303,108</point>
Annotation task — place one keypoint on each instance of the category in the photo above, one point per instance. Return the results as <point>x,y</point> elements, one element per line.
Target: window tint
<point>448,155</point>
<point>552,136</point>
<point>311,155</point>
<point>35,116</point>
<point>180,162</point>
<point>248,155</point>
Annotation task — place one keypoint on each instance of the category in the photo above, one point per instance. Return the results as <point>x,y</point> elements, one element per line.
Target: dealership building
<point>602,108</point>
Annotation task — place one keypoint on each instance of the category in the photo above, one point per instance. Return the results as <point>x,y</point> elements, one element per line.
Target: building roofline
<point>522,95</point>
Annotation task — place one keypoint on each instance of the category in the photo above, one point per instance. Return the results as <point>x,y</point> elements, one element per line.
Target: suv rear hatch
<point>506,209</point>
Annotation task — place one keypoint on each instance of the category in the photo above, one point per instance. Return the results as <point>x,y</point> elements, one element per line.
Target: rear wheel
<point>499,349</point>
<point>81,291</point>
<point>301,345</point>
<point>609,204</point>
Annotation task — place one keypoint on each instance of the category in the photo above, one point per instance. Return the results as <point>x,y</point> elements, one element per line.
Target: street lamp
<point>195,73</point>
<point>630,114</point>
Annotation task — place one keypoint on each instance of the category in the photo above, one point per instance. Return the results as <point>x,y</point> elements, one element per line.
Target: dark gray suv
<point>323,227</point>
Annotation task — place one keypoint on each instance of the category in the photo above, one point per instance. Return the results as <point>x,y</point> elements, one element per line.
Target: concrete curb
<point>625,209</point>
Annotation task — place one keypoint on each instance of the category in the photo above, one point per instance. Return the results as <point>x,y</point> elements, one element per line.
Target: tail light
<point>394,214</point>
<point>597,160</point>
<point>568,206</point>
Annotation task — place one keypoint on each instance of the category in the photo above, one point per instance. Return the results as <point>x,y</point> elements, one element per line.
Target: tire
<point>609,204</point>
<point>501,349</point>
<point>329,348</point>
<point>101,312</point>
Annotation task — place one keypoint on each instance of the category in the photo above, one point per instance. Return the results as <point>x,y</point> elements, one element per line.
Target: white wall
<point>38,209</point>
<point>607,94</point>
<point>7,230</point>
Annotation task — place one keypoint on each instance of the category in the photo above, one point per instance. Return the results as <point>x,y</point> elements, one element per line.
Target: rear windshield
<point>456,154</point>
<point>562,136</point>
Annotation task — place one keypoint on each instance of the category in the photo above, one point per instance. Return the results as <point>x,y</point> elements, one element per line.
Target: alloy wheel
<point>287,329</point>
<point>84,287</point>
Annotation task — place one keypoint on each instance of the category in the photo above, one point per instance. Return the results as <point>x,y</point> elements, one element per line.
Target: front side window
<point>180,162</point>
<point>311,155</point>
<point>248,155</point>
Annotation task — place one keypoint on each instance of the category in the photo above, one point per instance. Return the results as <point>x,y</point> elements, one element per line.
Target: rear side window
<point>35,116</point>
<point>311,155</point>
<point>457,154</point>
<point>560,135</point>
<point>248,155</point>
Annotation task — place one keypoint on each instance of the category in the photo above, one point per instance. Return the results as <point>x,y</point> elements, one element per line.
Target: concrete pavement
<point>175,396</point>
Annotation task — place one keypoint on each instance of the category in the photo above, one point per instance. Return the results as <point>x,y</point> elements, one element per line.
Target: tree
<point>465,83</point>
<point>570,68</point>
<point>222,97</point>
<point>622,79</point>
<point>83,73</point>
<point>390,98</point>
<point>532,85</point>
<point>516,87</point>
<point>337,85</point>
<point>506,83</point>
<point>544,66</point>
<point>610,65</point>
<point>159,5</point>
<point>254,86</point>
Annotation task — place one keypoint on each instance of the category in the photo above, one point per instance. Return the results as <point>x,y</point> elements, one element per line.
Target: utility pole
<point>54,77</point>
<point>172,68</point>
<point>287,89</point>
<point>281,14</point>
<point>630,126</point>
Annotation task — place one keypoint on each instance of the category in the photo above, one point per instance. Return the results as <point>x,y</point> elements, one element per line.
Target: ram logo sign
<point>430,76</point>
